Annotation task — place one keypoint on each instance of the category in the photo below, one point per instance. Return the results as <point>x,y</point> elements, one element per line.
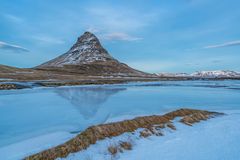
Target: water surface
<point>29,113</point>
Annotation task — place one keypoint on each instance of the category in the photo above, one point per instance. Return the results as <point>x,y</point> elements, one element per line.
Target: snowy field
<point>35,119</point>
<point>215,139</point>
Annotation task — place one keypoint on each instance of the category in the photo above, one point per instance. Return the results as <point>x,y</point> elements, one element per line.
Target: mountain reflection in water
<point>88,100</point>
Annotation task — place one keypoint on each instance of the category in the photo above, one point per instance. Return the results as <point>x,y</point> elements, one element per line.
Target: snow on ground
<point>215,139</point>
<point>5,79</point>
<point>24,148</point>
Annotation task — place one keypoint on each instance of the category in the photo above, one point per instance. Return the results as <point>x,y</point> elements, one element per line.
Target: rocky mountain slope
<point>87,56</point>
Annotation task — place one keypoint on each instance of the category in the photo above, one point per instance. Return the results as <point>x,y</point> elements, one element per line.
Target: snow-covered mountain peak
<point>87,40</point>
<point>87,49</point>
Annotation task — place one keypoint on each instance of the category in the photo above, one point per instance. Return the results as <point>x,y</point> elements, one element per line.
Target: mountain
<point>204,74</point>
<point>7,69</point>
<point>86,50</point>
<point>172,74</point>
<point>87,56</point>
<point>216,74</point>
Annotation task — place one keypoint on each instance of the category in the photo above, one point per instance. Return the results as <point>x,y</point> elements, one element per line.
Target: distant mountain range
<point>204,74</point>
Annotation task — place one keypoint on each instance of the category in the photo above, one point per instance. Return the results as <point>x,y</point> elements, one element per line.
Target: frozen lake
<point>43,117</point>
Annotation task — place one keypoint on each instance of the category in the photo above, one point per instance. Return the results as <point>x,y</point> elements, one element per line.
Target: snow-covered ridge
<point>215,74</point>
<point>204,74</point>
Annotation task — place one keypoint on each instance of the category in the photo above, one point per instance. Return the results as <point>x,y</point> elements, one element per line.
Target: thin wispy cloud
<point>12,47</point>
<point>216,61</point>
<point>109,18</point>
<point>227,44</point>
<point>48,39</point>
<point>13,18</point>
<point>120,36</point>
<point>92,29</point>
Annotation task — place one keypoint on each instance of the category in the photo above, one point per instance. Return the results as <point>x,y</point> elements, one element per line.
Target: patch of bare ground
<point>11,86</point>
<point>151,125</point>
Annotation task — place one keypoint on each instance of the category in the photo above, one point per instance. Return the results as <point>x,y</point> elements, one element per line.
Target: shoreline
<point>25,84</point>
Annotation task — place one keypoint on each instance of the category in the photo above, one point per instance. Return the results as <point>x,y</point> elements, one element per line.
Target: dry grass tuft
<point>113,149</point>
<point>126,145</point>
<point>145,133</point>
<point>170,125</point>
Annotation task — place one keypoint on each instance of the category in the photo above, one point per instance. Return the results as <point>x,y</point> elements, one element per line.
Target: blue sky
<point>151,35</point>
